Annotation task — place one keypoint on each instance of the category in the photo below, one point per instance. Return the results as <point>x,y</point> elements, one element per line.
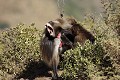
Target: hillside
<point>13,12</point>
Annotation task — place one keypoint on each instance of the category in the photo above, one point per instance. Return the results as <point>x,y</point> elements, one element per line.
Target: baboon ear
<point>50,29</point>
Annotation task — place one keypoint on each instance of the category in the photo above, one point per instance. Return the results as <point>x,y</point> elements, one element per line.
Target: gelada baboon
<point>51,44</point>
<point>80,33</point>
<point>59,36</point>
<point>74,33</point>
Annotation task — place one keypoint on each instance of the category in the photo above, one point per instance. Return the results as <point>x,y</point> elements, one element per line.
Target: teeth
<point>48,24</point>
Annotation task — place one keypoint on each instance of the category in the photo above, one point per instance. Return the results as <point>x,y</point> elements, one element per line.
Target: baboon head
<point>68,26</point>
<point>52,28</point>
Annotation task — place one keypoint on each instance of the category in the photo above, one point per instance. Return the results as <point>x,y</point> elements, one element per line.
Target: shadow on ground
<point>34,70</point>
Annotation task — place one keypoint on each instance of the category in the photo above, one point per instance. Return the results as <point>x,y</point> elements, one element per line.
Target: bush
<point>88,62</point>
<point>18,47</point>
<point>101,61</point>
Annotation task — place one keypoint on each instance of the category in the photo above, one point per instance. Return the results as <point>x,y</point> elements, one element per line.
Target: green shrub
<point>88,62</point>
<point>112,14</point>
<point>18,47</point>
<point>100,61</point>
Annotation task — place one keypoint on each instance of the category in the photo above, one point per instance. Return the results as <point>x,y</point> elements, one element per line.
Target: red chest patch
<point>58,36</point>
<point>60,45</point>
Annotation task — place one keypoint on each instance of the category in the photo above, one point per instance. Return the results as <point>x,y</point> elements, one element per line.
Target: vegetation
<point>89,62</point>
<point>18,47</point>
<point>101,60</point>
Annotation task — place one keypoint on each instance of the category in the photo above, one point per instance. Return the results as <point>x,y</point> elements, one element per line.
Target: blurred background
<point>13,12</point>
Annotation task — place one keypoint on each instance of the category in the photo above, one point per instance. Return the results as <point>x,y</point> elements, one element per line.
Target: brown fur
<point>80,33</point>
<point>50,45</point>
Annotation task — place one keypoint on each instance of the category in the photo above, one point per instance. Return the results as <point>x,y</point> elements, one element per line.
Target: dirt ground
<point>37,71</point>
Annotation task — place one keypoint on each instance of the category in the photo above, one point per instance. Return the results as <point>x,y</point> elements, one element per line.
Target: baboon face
<point>53,28</point>
<point>56,26</point>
